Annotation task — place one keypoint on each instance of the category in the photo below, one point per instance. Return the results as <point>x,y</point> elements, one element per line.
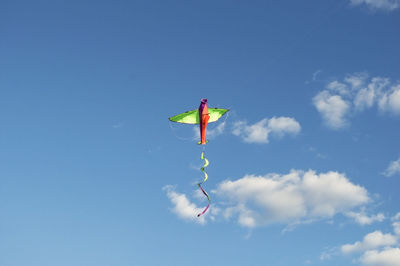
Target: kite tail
<point>206,163</point>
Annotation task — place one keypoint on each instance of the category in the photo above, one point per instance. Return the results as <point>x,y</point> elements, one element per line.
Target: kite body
<point>201,116</point>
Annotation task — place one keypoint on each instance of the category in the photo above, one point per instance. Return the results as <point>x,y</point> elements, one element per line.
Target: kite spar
<point>202,116</point>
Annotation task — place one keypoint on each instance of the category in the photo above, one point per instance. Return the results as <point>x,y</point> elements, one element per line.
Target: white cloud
<point>341,100</point>
<point>185,209</point>
<point>396,224</point>
<point>326,255</point>
<point>388,5</point>
<point>393,168</point>
<point>356,80</point>
<point>390,100</point>
<point>259,132</point>
<point>386,257</point>
<point>290,198</point>
<point>332,108</point>
<point>396,217</point>
<point>336,86</point>
<point>363,219</point>
<point>218,130</point>
<point>256,133</point>
<point>364,99</point>
<point>315,74</point>
<point>379,84</point>
<point>294,198</point>
<point>377,248</point>
<point>284,125</point>
<point>371,241</point>
<point>396,228</point>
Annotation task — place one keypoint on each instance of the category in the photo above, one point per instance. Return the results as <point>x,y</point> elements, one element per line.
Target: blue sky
<point>305,169</point>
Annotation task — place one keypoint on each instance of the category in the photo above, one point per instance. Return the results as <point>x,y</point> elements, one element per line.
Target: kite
<point>202,117</point>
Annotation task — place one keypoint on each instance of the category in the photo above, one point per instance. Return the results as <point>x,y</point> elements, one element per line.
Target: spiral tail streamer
<point>206,163</point>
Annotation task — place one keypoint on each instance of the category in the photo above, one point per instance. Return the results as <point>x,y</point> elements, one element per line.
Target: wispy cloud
<point>315,74</point>
<point>363,218</point>
<point>260,131</point>
<point>317,153</point>
<point>387,5</point>
<point>118,125</point>
<point>393,168</point>
<point>182,206</point>
<point>340,100</point>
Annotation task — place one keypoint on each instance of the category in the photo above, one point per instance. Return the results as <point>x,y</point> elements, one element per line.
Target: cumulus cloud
<point>256,133</point>
<point>371,241</point>
<point>260,131</point>
<point>386,257</point>
<point>332,108</point>
<point>283,125</point>
<point>290,198</point>
<point>388,5</point>
<point>390,100</point>
<point>340,101</point>
<point>393,168</point>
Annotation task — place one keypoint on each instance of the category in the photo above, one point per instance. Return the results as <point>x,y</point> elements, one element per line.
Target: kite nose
<point>204,100</point>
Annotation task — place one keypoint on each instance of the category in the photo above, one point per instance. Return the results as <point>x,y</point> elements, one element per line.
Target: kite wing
<point>190,117</point>
<point>216,113</point>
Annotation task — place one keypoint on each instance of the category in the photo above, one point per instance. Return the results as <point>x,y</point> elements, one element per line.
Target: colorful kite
<point>201,116</point>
